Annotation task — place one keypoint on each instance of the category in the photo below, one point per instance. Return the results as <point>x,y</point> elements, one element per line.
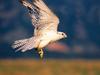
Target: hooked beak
<point>65,36</point>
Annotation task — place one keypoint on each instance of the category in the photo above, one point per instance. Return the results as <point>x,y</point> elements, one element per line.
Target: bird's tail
<point>25,44</point>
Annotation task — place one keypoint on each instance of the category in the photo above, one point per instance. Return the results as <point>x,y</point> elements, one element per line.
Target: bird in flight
<point>45,31</point>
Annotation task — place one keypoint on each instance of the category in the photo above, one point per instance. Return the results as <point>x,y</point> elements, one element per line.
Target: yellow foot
<point>40,51</point>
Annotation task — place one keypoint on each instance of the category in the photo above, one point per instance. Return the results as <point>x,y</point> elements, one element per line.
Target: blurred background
<point>79,19</point>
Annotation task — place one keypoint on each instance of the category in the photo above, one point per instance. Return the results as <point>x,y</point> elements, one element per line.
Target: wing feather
<point>42,17</point>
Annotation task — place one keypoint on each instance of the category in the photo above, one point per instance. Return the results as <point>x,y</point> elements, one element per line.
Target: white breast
<point>47,38</point>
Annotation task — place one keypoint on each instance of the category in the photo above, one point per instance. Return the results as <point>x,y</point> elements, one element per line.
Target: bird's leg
<point>40,51</point>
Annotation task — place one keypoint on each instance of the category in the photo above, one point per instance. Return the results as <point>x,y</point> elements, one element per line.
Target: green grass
<point>49,67</point>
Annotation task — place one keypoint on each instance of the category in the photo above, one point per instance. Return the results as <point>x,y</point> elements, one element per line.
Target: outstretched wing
<point>43,18</point>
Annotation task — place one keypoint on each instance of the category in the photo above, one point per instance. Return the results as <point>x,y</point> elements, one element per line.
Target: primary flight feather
<point>45,23</point>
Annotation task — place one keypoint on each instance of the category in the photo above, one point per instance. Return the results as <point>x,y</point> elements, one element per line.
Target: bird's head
<point>62,35</point>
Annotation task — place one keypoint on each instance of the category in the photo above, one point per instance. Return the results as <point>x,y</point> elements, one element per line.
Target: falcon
<point>45,31</point>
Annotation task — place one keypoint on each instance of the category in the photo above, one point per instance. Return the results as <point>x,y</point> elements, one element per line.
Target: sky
<point>79,19</point>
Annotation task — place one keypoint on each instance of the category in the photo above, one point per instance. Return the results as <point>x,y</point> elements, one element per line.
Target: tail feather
<point>25,44</point>
<point>19,43</point>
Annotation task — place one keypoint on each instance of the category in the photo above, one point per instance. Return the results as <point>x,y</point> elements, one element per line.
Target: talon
<point>40,51</point>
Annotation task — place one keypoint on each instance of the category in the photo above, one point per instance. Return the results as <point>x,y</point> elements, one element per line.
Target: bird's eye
<point>62,34</point>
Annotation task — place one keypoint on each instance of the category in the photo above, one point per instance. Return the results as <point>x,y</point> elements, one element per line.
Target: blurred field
<point>49,67</point>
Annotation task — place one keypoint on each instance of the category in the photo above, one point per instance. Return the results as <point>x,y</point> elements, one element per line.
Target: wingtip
<point>21,1</point>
